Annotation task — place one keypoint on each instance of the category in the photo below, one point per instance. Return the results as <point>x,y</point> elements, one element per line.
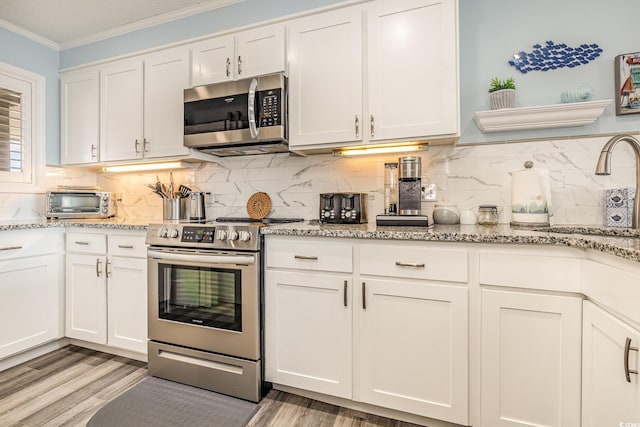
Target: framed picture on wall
<point>627,72</point>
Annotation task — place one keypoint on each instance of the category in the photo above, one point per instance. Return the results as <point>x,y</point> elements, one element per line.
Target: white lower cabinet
<point>413,352</point>
<point>530,363</point>
<point>395,342</point>
<point>31,289</point>
<point>106,290</point>
<point>609,398</point>
<point>308,331</point>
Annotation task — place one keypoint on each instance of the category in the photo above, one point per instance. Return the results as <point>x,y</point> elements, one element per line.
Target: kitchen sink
<point>591,230</point>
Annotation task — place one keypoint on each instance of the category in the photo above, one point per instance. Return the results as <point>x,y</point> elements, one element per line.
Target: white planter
<point>503,98</point>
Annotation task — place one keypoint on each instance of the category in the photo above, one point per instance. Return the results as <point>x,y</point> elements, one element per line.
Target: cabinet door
<point>607,397</point>
<point>413,348</point>
<point>121,114</point>
<point>166,75</point>
<point>86,298</point>
<point>413,77</point>
<point>212,60</point>
<point>260,51</point>
<point>127,302</point>
<point>80,117</point>
<point>308,331</point>
<point>325,78</point>
<point>530,369</point>
<point>30,291</point>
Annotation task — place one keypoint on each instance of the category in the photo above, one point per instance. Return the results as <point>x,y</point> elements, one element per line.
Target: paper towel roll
<point>530,197</point>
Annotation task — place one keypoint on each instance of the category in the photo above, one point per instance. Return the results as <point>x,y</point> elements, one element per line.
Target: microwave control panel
<point>270,108</point>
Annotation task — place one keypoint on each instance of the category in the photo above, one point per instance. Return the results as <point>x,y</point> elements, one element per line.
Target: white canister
<point>530,197</point>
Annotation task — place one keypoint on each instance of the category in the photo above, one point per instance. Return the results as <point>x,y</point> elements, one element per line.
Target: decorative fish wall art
<point>552,56</point>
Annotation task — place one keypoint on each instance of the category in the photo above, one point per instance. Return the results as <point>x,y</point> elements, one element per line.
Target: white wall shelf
<point>541,117</point>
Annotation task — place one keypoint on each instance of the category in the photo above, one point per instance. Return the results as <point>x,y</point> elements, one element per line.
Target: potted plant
<point>502,93</point>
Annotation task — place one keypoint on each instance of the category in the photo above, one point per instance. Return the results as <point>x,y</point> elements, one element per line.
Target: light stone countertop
<point>624,243</point>
<point>621,242</point>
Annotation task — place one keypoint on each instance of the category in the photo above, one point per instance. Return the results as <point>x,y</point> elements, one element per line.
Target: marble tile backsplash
<point>465,175</point>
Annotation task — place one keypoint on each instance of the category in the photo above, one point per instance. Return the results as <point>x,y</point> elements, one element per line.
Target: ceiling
<point>63,24</point>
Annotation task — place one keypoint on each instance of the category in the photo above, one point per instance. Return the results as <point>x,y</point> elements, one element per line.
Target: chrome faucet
<point>604,168</point>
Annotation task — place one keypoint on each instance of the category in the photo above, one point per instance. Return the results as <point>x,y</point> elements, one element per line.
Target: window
<point>21,128</point>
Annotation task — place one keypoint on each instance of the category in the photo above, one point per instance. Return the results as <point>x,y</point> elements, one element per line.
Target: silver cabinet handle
<point>93,151</point>
<point>10,248</point>
<point>344,293</point>
<point>108,268</point>
<point>410,264</point>
<point>98,263</point>
<point>373,125</point>
<point>228,67</point>
<point>81,243</point>
<point>125,246</point>
<point>627,349</point>
<point>311,258</point>
<point>239,65</point>
<point>145,145</point>
<point>136,145</point>
<point>357,127</point>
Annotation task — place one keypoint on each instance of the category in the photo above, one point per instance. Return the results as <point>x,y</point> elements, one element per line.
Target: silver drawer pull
<point>409,264</point>
<point>82,243</point>
<point>11,248</point>
<point>125,246</point>
<point>311,258</point>
<point>627,348</point>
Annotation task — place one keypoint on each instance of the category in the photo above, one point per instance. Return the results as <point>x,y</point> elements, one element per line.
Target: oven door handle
<point>209,259</point>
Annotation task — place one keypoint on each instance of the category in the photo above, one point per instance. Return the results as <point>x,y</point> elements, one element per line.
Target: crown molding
<point>29,35</point>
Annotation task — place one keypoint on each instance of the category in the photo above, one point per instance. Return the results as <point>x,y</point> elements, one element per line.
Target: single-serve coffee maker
<point>409,194</point>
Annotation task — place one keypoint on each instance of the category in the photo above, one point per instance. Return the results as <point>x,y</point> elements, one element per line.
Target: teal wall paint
<point>37,58</point>
<point>491,31</point>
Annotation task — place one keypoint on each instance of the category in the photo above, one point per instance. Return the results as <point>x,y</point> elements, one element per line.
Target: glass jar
<point>488,215</point>
<point>391,188</point>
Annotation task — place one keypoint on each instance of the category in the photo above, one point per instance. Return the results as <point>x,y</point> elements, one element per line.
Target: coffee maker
<point>409,195</point>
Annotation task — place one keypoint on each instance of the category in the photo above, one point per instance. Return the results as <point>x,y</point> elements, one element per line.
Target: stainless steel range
<point>205,307</point>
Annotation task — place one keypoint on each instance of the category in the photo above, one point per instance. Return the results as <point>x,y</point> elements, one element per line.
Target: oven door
<point>206,300</point>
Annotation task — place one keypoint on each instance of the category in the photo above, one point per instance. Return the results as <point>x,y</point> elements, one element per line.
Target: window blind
<point>11,141</point>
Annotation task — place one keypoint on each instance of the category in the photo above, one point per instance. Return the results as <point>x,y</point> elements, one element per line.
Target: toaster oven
<point>79,204</point>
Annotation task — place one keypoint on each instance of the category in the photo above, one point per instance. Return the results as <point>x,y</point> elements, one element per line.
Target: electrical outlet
<point>429,193</point>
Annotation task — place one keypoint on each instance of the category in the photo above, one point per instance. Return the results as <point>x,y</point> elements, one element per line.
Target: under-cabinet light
<point>144,167</point>
<point>380,150</point>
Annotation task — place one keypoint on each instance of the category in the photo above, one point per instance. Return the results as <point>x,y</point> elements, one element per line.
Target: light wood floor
<point>67,386</point>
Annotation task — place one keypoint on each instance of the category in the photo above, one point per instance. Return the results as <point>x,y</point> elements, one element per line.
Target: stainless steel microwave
<point>237,118</point>
<point>79,204</point>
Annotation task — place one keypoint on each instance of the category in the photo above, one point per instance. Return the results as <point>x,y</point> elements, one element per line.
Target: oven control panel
<point>210,236</point>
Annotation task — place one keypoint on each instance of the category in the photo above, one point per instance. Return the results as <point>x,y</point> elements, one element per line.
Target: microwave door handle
<point>253,128</point>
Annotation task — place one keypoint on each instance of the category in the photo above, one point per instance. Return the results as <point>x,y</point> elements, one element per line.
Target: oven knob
<point>233,235</point>
<point>222,235</point>
<point>173,233</point>
<point>245,236</point>
<point>163,232</point>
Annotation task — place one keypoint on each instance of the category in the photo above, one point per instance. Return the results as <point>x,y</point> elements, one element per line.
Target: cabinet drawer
<point>86,243</point>
<point>414,262</point>
<point>129,246</point>
<point>23,243</point>
<point>529,270</point>
<point>309,255</point>
<point>613,287</point>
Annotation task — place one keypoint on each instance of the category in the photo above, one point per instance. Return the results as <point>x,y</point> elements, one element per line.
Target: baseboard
<point>27,355</point>
<point>364,407</point>
<point>111,350</point>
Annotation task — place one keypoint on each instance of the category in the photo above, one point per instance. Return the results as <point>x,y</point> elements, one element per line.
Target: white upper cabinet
<point>412,50</point>
<point>235,56</point>
<point>166,75</point>
<point>325,78</point>
<point>121,111</point>
<point>410,56</point>
<point>80,115</point>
